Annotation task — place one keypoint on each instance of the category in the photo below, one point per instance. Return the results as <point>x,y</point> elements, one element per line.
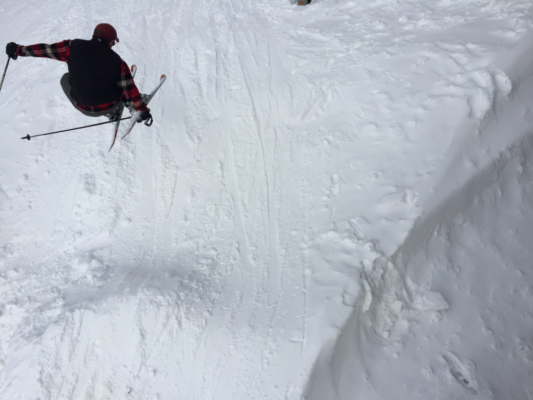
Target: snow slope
<point>307,166</point>
<point>473,247</point>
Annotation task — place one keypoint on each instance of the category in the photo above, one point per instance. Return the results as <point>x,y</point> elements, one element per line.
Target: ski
<point>121,110</point>
<point>147,100</point>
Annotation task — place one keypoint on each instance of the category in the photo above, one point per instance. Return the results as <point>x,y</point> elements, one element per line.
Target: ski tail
<point>121,110</point>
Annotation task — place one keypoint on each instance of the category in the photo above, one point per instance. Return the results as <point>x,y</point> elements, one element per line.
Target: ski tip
<point>133,66</point>
<point>163,76</point>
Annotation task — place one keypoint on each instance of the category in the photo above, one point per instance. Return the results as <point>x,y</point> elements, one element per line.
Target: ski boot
<point>114,115</point>
<point>129,104</point>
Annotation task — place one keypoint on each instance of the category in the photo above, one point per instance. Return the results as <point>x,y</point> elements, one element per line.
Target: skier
<point>98,79</point>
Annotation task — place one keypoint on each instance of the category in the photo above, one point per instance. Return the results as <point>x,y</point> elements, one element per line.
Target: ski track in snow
<point>213,254</point>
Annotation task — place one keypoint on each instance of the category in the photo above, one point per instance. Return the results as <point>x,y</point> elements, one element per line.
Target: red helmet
<point>106,31</point>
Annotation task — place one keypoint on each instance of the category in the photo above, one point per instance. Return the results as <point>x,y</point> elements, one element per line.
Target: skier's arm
<point>58,51</point>
<point>131,93</point>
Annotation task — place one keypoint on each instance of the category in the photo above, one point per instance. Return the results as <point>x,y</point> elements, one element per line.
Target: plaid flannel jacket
<point>61,51</point>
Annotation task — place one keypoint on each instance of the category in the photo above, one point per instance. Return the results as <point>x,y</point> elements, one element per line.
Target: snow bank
<point>464,328</point>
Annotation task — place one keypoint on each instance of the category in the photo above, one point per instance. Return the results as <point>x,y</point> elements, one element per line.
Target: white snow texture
<point>334,202</point>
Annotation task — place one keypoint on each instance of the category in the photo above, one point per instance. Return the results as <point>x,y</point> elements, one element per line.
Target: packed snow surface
<point>334,202</point>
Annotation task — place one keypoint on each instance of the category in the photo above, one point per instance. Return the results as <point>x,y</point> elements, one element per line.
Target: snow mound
<point>470,256</point>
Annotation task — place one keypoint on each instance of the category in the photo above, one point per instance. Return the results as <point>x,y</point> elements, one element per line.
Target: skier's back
<point>98,79</point>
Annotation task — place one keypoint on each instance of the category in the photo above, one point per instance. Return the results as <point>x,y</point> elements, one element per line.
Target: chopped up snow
<point>334,202</point>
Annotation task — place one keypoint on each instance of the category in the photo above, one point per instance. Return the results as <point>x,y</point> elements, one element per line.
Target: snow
<point>333,202</point>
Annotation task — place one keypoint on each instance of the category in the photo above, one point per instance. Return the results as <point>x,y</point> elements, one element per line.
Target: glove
<point>11,50</point>
<point>145,116</point>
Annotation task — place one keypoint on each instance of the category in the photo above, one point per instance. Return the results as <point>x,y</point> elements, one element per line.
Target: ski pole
<point>28,137</point>
<point>5,70</point>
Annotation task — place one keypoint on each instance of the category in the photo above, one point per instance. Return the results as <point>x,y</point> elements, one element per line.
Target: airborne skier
<point>98,81</point>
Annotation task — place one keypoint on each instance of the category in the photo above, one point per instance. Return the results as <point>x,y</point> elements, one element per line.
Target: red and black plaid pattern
<point>100,108</point>
<point>61,51</point>
<point>130,91</point>
<point>57,51</point>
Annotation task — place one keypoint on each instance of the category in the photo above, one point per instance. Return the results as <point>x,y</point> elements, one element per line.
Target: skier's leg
<point>65,85</point>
